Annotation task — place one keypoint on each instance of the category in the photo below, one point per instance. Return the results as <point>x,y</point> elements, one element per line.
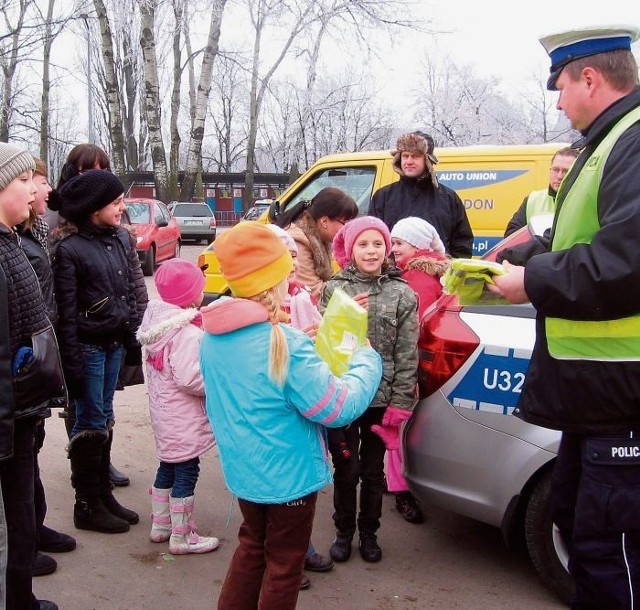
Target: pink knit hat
<point>179,282</point>
<point>347,235</point>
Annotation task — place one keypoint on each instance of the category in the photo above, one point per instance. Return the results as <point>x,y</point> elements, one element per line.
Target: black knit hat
<point>85,194</point>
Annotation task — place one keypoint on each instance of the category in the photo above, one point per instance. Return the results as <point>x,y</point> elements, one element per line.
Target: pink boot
<point>184,538</point>
<point>160,517</point>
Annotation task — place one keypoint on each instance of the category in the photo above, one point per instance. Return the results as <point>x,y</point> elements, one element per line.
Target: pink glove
<point>394,416</point>
<point>389,431</point>
<point>390,436</point>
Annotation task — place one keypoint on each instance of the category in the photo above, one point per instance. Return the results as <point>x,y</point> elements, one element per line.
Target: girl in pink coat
<point>171,333</point>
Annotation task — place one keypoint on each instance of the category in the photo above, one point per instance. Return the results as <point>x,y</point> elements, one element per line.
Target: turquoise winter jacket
<point>271,439</point>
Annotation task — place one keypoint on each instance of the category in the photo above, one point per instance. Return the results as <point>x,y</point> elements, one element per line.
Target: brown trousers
<point>266,568</point>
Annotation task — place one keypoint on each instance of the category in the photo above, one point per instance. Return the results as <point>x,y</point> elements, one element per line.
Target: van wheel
<point>546,549</point>
<point>150,261</point>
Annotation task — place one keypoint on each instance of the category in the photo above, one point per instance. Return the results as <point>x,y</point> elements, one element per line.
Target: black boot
<point>341,548</point>
<point>106,494</point>
<point>408,507</point>
<point>369,548</point>
<point>89,513</point>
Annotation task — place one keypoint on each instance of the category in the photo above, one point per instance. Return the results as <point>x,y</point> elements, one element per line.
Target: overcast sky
<point>500,37</point>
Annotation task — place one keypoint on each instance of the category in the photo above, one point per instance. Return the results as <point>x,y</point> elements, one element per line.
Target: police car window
<point>357,182</point>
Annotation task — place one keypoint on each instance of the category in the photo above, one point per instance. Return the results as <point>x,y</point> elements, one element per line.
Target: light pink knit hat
<point>347,235</point>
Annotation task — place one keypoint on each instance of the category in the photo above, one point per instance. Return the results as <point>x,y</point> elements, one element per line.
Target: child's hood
<point>429,262</point>
<point>162,321</point>
<point>228,314</point>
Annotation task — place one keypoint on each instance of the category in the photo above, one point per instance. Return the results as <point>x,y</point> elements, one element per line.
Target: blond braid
<point>278,350</point>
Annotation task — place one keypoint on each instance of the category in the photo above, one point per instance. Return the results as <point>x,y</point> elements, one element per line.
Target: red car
<point>157,233</point>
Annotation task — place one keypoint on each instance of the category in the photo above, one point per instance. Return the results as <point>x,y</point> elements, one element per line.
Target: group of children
<point>245,369</point>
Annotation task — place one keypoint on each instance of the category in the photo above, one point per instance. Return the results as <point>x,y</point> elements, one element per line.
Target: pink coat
<point>171,339</point>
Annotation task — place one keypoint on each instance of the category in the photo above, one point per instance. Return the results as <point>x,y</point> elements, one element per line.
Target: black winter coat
<point>596,281</point>
<point>6,387</point>
<point>95,292</point>
<point>25,308</point>
<point>441,207</point>
<point>39,259</point>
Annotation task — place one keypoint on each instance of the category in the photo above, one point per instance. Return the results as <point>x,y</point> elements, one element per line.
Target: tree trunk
<point>46,85</point>
<point>194,161</point>
<point>152,99</point>
<point>8,63</point>
<point>174,151</point>
<point>112,92</point>
<point>258,91</point>
<point>130,72</point>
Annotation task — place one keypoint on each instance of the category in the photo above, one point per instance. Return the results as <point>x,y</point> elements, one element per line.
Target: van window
<point>357,182</point>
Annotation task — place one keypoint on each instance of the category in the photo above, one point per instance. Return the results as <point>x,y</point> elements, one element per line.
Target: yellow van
<point>492,181</point>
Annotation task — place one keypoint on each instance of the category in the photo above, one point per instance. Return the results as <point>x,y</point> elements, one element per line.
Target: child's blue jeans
<point>181,476</point>
<point>95,409</point>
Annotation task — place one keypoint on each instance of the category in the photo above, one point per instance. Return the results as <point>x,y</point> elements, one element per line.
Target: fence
<point>227,219</point>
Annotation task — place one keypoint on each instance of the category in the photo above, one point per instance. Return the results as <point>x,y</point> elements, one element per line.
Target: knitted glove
<point>389,431</point>
<point>393,416</point>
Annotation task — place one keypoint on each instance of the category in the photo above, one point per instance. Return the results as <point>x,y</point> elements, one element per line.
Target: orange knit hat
<point>252,258</point>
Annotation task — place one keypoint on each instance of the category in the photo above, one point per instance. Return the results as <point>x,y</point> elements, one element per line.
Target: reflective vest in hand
<point>577,222</point>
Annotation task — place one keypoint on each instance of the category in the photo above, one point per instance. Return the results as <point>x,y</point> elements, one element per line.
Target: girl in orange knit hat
<point>268,397</point>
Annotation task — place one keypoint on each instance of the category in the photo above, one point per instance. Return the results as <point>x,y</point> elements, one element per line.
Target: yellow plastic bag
<point>468,278</point>
<point>342,330</point>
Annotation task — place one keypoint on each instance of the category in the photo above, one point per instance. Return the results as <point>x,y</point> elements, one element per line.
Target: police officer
<point>584,377</point>
<point>544,200</point>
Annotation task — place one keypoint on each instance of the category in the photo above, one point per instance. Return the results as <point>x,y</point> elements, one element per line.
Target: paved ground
<point>449,562</point>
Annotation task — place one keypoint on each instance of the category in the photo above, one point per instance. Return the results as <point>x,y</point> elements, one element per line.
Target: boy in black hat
<point>418,193</point>
<point>97,319</point>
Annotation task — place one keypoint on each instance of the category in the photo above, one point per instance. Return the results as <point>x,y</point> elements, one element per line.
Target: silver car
<point>196,220</point>
<point>464,448</point>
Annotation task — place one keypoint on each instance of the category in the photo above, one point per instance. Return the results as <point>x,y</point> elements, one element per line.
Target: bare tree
<point>10,51</point>
<point>226,111</point>
<point>112,90</point>
<point>194,154</point>
<point>151,105</point>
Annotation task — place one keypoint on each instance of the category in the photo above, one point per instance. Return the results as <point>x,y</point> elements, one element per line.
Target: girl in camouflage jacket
<point>361,248</point>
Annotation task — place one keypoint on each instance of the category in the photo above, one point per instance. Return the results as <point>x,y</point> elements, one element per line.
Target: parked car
<point>465,448</point>
<point>257,209</point>
<point>157,233</point>
<point>196,220</point>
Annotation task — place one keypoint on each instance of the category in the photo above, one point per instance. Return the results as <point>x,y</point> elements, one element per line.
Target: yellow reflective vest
<point>576,223</point>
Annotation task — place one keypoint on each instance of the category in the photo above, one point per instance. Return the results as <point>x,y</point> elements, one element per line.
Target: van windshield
<point>357,182</point>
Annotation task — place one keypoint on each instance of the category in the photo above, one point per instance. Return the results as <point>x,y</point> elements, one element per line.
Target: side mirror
<point>162,223</point>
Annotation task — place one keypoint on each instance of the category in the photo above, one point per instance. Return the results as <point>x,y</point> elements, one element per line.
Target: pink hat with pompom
<point>347,235</point>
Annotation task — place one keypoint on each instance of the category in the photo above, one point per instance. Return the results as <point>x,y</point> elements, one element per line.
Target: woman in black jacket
<point>97,320</point>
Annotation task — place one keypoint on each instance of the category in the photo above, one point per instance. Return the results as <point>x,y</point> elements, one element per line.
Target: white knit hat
<point>285,237</point>
<point>14,160</point>
<point>419,233</point>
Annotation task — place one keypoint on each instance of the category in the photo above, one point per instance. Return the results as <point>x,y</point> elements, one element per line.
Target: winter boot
<point>160,516</point>
<point>89,513</point>
<point>408,507</point>
<point>106,491</point>
<point>184,538</point>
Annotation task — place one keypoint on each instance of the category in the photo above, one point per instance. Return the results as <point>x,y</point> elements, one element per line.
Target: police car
<point>465,450</point>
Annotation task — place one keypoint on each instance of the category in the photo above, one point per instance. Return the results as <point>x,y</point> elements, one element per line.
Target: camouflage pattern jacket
<point>392,329</point>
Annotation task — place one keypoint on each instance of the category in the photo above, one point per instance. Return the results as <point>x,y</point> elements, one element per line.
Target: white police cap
<point>565,47</point>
